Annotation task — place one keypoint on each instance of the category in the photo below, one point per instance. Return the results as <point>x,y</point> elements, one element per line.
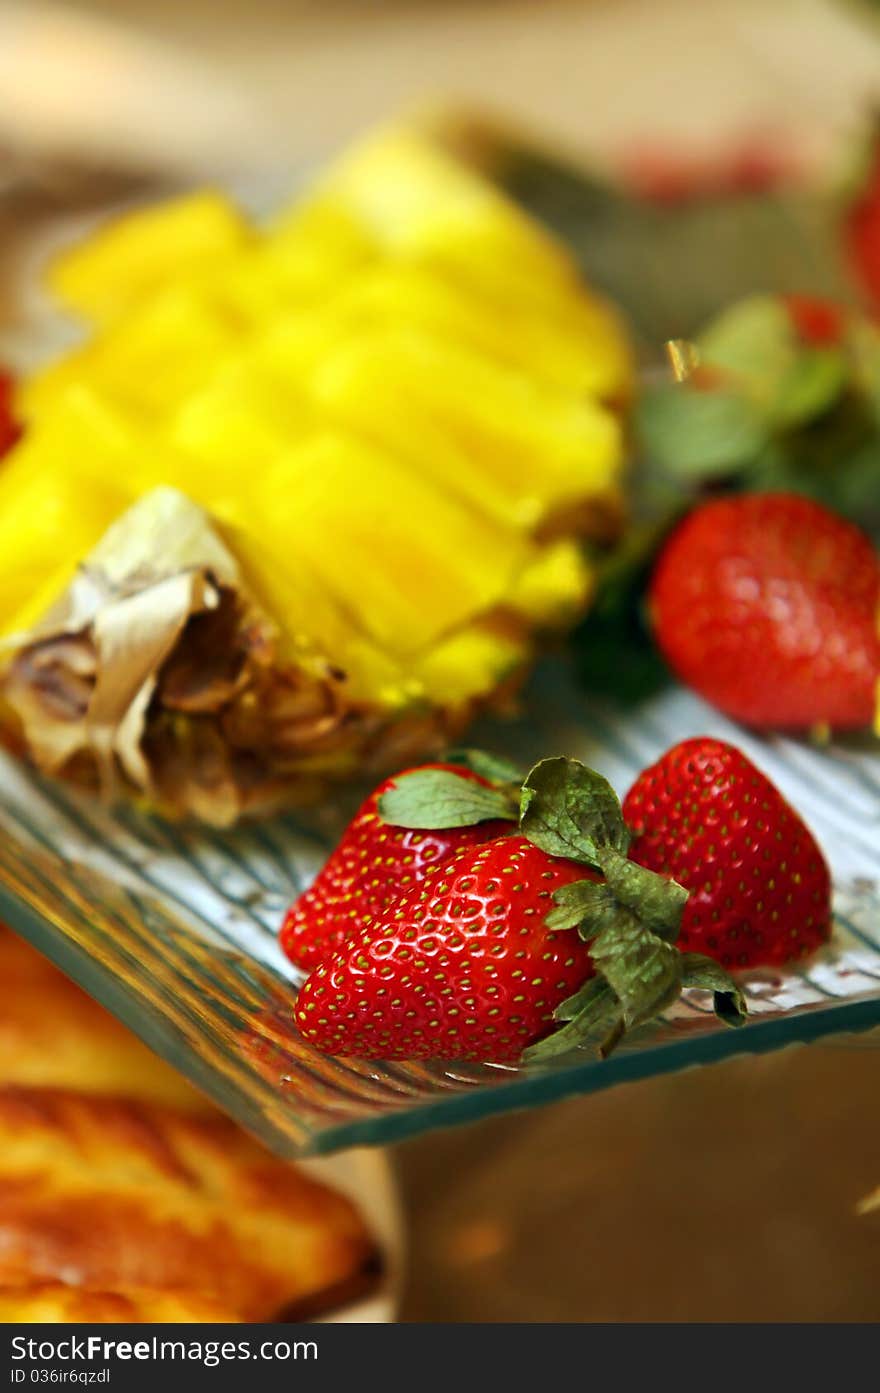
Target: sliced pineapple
<point>409,561</point>
<point>419,203</point>
<point>553,587</point>
<point>149,361</point>
<point>395,405</point>
<point>583,352</point>
<point>240,419</point>
<point>428,211</point>
<point>134,256</point>
<point>520,451</point>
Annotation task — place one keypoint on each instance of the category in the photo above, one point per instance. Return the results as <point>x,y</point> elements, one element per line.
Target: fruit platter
<point>438,676</point>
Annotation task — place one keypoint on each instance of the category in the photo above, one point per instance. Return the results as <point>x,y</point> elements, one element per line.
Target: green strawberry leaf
<point>438,798</point>
<point>492,767</point>
<point>638,976</point>
<point>658,902</point>
<point>570,810</point>
<point>699,971</point>
<point>593,1016</point>
<point>643,970</point>
<point>586,998</point>
<point>583,901</point>
<point>638,973</point>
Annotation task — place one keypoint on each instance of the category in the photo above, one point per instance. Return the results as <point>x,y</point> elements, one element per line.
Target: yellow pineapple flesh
<point>395,404</point>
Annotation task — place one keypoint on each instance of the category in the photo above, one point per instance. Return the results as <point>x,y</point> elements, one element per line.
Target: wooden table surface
<point>722,1194</point>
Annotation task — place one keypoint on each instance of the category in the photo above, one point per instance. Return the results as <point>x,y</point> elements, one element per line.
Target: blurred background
<point>185,83</point>
<point>724,1194</point>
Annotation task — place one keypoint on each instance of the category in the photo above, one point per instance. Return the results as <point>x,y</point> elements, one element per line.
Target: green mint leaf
<point>710,976</point>
<point>788,382</point>
<point>492,767</point>
<point>643,970</point>
<point>657,901</point>
<point>754,340</point>
<point>585,900</point>
<point>810,386</point>
<point>438,798</point>
<point>697,434</point>
<point>570,810</point>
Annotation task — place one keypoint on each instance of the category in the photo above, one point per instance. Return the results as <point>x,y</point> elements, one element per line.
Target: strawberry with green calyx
<point>780,393</point>
<point>374,862</point>
<point>505,940</point>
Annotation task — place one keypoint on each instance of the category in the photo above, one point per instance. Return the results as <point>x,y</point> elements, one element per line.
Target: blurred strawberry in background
<point>755,165</point>
<point>815,321</point>
<point>9,428</point>
<point>767,604</point>
<point>861,225</point>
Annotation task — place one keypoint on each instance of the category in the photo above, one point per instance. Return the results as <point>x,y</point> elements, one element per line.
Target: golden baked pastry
<point>125,1196</point>
<point>52,1033</point>
<point>114,1195</point>
<point>47,1303</point>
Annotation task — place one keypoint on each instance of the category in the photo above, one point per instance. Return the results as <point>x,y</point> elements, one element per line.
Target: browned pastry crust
<point>47,1303</point>
<point>52,1033</point>
<point>124,1196</point>
<point>113,1195</point>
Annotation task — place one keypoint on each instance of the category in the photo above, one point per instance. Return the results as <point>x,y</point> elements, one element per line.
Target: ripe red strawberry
<point>500,943</point>
<point>760,887</point>
<point>767,605</point>
<point>372,863</point>
<point>9,428</point>
<point>462,967</point>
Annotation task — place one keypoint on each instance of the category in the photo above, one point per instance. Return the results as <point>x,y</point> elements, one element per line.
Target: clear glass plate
<point>174,930</point>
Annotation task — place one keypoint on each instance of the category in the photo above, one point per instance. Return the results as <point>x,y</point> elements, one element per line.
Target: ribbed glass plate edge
<point>174,930</point>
